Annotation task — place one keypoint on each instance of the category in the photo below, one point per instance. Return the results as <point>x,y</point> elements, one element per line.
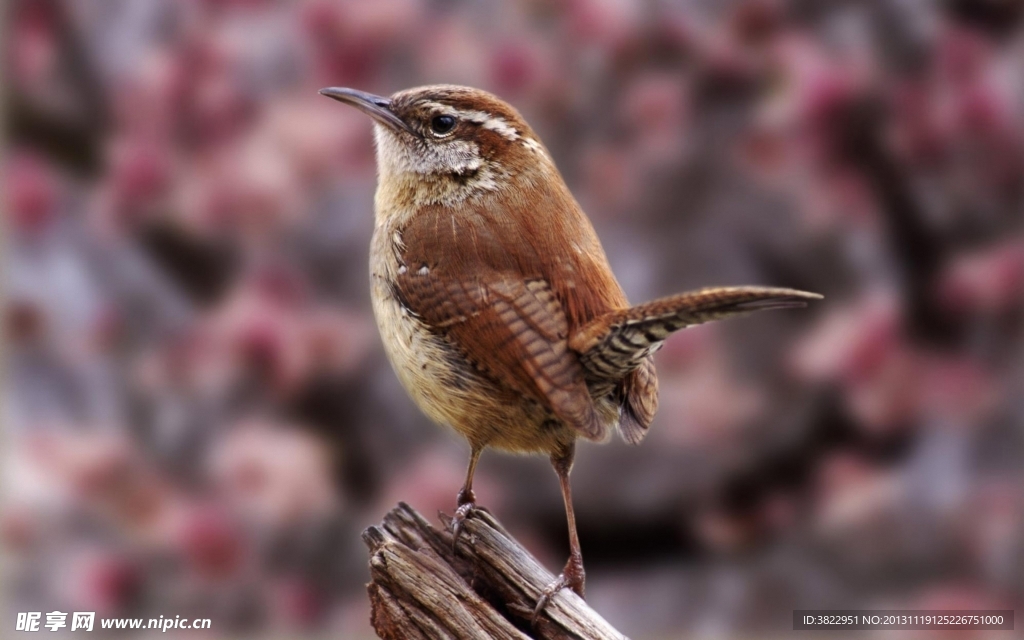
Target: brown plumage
<point>494,298</point>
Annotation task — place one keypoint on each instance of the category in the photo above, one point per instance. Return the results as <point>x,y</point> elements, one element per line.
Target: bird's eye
<point>442,124</point>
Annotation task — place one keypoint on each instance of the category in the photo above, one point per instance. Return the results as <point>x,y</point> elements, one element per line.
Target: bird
<point>494,298</point>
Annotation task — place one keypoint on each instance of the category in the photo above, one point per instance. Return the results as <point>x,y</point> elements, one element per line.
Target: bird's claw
<point>545,597</point>
<point>572,577</point>
<point>462,513</point>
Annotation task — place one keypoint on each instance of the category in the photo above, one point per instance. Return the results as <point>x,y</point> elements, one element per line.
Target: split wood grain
<point>420,588</point>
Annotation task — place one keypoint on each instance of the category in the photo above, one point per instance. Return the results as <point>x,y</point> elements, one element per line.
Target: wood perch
<point>420,588</point>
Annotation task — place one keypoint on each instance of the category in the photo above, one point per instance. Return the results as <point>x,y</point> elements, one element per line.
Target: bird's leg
<point>466,499</point>
<point>572,575</point>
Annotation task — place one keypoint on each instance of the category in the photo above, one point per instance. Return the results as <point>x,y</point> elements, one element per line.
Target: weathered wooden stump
<point>421,588</point>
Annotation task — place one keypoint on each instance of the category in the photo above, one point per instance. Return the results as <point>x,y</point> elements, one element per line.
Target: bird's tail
<point>615,348</point>
<point>616,343</point>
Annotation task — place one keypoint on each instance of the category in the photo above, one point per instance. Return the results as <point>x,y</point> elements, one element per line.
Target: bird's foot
<point>467,505</point>
<point>462,513</point>
<point>572,576</point>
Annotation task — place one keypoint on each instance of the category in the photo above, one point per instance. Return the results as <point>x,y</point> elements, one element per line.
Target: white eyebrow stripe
<point>441,108</point>
<point>495,123</point>
<point>502,127</point>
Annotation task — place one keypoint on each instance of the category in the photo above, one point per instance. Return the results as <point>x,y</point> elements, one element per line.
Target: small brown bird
<point>495,301</point>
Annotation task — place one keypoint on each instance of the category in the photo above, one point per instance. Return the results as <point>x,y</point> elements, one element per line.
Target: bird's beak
<point>377,107</point>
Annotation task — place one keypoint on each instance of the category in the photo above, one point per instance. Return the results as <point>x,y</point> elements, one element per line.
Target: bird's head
<point>448,143</point>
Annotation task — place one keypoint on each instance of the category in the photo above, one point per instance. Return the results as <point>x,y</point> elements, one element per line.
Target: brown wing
<point>496,308</point>
<point>616,343</point>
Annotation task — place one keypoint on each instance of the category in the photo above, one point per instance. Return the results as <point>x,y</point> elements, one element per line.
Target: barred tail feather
<point>613,345</point>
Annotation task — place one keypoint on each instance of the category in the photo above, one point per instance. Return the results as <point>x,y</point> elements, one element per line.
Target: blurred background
<point>198,418</point>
